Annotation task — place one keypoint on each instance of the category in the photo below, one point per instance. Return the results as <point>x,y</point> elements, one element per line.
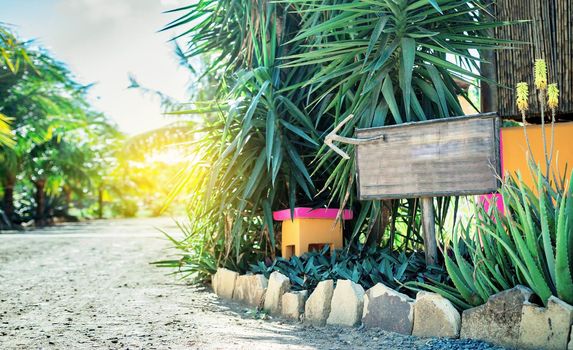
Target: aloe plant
<point>529,243</point>
<point>542,232</point>
<point>531,240</point>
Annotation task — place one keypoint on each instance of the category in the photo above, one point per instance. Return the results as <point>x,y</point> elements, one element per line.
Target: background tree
<point>56,138</point>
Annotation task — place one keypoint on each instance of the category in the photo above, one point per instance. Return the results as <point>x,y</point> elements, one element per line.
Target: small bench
<point>310,229</point>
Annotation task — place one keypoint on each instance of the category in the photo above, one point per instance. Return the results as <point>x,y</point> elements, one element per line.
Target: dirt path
<point>89,285</point>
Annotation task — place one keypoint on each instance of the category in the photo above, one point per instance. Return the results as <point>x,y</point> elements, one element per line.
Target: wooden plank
<point>441,157</point>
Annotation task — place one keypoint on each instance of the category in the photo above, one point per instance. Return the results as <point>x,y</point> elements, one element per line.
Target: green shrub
<point>126,208</point>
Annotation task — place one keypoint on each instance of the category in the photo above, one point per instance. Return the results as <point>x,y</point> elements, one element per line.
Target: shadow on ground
<point>90,285</point>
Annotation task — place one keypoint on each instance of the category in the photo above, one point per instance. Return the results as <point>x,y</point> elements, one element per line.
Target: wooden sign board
<point>440,157</point>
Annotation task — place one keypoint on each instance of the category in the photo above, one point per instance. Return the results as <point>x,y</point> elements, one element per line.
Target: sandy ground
<point>89,286</point>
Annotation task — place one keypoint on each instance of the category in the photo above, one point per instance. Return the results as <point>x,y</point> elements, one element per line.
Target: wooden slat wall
<point>436,158</point>
<point>550,34</point>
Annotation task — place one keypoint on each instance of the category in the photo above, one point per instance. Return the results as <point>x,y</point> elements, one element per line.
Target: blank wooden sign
<point>441,157</point>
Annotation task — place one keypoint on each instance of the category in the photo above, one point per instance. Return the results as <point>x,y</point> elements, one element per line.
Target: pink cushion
<point>309,213</point>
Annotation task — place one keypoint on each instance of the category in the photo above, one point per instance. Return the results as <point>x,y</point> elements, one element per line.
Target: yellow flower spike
<point>540,74</point>
<point>552,96</point>
<point>522,96</point>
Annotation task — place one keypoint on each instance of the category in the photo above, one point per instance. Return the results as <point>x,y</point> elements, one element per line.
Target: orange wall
<point>514,150</point>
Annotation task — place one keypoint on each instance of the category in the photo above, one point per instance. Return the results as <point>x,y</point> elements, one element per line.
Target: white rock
<point>435,316</point>
<point>278,285</point>
<point>498,320</point>
<point>347,304</point>
<point>293,304</point>
<point>388,309</point>
<point>224,282</point>
<point>250,289</point>
<point>545,328</point>
<point>317,306</point>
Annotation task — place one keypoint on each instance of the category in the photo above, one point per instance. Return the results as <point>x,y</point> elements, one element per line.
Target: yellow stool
<point>310,229</point>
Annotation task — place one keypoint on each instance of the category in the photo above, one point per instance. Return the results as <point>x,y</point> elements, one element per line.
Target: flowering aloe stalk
<point>552,103</point>
<point>522,91</point>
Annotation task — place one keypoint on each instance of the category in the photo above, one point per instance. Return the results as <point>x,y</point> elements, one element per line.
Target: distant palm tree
<point>54,139</point>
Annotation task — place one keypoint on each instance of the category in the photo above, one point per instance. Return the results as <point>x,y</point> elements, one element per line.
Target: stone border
<point>507,319</point>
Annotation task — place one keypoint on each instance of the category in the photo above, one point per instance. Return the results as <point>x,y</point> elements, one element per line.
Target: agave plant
<point>366,266</point>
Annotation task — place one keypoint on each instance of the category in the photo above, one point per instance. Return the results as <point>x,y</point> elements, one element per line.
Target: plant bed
<point>506,319</point>
<point>363,265</point>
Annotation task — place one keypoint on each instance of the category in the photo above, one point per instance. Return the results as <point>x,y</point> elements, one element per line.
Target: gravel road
<point>89,286</point>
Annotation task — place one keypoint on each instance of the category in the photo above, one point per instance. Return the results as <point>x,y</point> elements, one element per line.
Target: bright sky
<point>103,41</point>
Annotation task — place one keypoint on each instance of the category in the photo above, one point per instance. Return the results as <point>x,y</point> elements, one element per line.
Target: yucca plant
<point>386,62</point>
<point>255,157</point>
<point>289,71</point>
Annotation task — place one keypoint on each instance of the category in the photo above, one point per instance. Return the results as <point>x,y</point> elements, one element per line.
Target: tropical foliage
<point>290,71</point>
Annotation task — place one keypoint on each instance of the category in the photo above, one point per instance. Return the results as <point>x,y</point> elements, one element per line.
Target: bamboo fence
<point>549,34</point>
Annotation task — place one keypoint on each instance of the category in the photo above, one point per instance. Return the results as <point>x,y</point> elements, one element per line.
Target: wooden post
<point>429,227</point>
<point>488,91</point>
